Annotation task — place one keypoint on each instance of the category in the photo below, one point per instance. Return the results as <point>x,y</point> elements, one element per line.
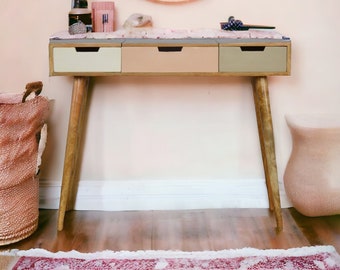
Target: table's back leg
<point>265,126</point>
<point>77,113</point>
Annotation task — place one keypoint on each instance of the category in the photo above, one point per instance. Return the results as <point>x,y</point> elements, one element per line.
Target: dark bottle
<point>79,18</point>
<point>80,4</point>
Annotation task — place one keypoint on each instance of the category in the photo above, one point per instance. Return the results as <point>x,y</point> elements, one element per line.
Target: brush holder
<point>103,16</point>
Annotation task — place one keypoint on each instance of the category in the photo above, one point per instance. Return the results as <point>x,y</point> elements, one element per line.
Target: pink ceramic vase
<point>312,175</point>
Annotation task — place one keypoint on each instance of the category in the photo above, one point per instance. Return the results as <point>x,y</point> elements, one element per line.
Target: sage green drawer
<point>253,59</point>
<point>86,59</point>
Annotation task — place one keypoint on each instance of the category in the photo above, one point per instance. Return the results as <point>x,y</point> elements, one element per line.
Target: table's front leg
<point>77,112</point>
<point>265,128</point>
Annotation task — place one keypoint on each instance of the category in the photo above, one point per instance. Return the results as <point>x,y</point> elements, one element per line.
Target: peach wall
<point>176,128</point>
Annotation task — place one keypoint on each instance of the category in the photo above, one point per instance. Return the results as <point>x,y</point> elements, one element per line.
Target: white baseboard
<point>162,194</point>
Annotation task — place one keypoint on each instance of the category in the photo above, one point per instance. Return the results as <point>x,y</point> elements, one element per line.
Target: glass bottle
<point>79,18</point>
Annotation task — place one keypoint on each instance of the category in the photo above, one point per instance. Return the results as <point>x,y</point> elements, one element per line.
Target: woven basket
<point>21,122</point>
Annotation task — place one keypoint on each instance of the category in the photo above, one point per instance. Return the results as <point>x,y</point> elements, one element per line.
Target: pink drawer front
<point>169,59</point>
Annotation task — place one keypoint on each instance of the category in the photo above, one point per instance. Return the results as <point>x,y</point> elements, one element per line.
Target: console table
<point>85,58</point>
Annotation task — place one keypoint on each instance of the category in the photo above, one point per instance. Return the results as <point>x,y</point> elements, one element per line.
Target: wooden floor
<point>89,231</point>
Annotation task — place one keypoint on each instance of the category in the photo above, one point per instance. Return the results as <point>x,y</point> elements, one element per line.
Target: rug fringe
<point>150,254</point>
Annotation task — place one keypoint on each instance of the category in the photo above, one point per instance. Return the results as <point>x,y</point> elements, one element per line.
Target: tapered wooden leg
<point>78,104</point>
<point>263,151</point>
<point>265,127</point>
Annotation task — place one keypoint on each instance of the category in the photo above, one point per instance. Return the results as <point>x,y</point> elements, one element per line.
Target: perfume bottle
<point>79,18</point>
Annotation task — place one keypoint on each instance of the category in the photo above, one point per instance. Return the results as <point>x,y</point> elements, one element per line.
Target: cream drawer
<point>86,59</point>
<point>253,59</point>
<point>170,58</point>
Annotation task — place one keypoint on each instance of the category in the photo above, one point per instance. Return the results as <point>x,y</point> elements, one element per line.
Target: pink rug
<point>318,257</point>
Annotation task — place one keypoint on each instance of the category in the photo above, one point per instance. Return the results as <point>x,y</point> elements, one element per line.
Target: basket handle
<point>33,87</point>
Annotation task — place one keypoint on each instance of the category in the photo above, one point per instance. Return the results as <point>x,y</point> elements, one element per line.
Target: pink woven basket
<point>21,122</point>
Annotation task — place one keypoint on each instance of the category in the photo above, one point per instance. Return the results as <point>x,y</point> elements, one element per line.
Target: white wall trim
<point>162,194</point>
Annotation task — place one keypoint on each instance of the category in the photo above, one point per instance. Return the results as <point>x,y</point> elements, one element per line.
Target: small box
<point>103,16</point>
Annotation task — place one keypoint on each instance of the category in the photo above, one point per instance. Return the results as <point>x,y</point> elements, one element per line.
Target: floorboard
<point>189,230</point>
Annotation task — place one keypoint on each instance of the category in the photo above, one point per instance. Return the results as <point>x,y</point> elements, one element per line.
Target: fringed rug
<point>317,257</point>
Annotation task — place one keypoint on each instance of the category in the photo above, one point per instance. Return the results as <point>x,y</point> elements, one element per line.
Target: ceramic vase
<point>312,175</point>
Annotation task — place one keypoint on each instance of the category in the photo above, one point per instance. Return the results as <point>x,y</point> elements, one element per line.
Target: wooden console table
<point>85,58</point>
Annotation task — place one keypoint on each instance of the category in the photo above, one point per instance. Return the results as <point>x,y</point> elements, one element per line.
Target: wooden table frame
<point>76,122</point>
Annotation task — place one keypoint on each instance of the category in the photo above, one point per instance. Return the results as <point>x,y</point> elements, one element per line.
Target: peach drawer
<point>85,59</point>
<point>254,59</point>
<point>169,58</point>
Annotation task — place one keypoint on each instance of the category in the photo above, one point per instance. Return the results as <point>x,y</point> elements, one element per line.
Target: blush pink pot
<point>312,175</point>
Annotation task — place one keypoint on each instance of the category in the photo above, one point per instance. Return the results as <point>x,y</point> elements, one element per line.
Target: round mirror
<point>171,1</point>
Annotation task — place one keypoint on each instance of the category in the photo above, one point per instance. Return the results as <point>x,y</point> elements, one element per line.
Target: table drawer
<point>89,59</point>
<point>253,59</point>
<point>169,59</point>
